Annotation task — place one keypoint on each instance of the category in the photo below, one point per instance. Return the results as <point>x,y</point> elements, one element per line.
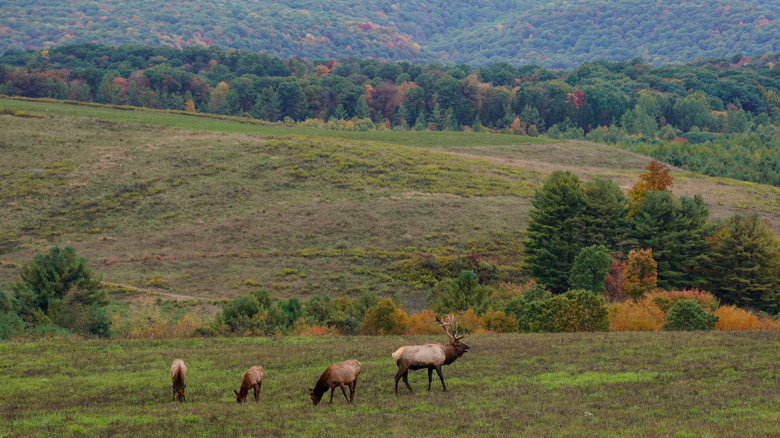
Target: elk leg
<point>256,390</point>
<point>398,375</point>
<point>406,380</point>
<point>352,390</point>
<point>344,390</point>
<point>430,377</point>
<point>331,394</point>
<point>438,371</point>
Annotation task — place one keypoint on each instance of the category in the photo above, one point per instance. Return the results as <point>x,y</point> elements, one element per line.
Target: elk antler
<point>447,324</point>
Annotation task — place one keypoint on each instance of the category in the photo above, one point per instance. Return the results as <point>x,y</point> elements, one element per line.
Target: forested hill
<point>557,34</point>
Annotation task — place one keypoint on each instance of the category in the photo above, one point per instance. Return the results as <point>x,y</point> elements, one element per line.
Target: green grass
<point>217,207</point>
<point>604,384</point>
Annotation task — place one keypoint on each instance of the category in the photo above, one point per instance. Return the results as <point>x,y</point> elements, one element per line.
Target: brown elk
<point>431,356</point>
<point>178,372</point>
<point>338,374</point>
<point>253,378</point>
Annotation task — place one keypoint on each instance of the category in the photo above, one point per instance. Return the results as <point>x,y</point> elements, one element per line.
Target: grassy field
<point>215,208</point>
<point>682,384</point>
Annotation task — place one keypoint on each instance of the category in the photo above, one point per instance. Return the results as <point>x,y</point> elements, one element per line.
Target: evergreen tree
<point>361,108</point>
<point>450,121</point>
<point>553,230</point>
<point>604,218</point>
<point>746,264</point>
<point>340,113</point>
<point>675,230</point>
<point>476,125</point>
<point>590,269</point>
<point>421,124</point>
<point>437,117</point>
<point>402,114</point>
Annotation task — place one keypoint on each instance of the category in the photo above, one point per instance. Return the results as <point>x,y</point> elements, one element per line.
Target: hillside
<point>551,34</point>
<point>217,207</point>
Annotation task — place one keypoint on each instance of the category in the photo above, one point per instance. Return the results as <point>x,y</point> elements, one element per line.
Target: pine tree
<point>421,124</point>
<point>340,113</point>
<point>450,121</point>
<point>604,218</point>
<point>745,269</point>
<point>361,108</point>
<point>552,242</point>
<point>437,117</point>
<point>675,230</point>
<point>476,125</point>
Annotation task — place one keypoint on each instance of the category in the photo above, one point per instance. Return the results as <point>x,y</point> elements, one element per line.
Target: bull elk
<point>339,374</point>
<point>253,378</point>
<point>431,356</point>
<point>178,372</point>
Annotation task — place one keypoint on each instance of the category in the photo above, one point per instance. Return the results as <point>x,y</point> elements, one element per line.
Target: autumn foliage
<point>656,179</point>
<point>641,273</point>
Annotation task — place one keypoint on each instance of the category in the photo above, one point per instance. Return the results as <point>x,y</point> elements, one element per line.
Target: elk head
<point>314,397</point>
<point>447,325</point>
<point>179,391</point>
<point>239,398</point>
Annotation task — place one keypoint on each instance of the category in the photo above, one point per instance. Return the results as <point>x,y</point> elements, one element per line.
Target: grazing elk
<point>178,372</point>
<point>431,356</point>
<point>338,374</point>
<point>253,378</point>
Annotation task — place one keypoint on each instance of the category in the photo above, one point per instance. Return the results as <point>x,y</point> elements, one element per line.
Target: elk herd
<point>345,374</point>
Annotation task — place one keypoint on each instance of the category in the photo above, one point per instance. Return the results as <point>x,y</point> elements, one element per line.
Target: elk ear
<point>173,386</point>
<point>310,390</point>
<point>235,391</point>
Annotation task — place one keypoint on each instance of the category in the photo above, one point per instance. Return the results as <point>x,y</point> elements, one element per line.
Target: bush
<point>51,281</point>
<point>499,321</point>
<point>642,315</point>
<point>579,311</point>
<point>665,299</point>
<point>734,318</point>
<point>531,310</point>
<point>385,318</point>
<point>10,325</point>
<point>423,323</point>
<point>463,293</point>
<point>689,315</point>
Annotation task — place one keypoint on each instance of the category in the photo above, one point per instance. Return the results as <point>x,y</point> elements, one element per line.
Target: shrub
<point>734,318</point>
<point>531,310</point>
<point>688,314</point>
<point>579,311</point>
<point>10,325</point>
<point>642,315</point>
<point>499,321</point>
<point>49,278</point>
<point>423,323</point>
<point>463,293</point>
<point>385,318</point>
<point>665,299</point>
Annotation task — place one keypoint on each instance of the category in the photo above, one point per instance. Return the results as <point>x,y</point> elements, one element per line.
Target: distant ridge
<point>557,34</point>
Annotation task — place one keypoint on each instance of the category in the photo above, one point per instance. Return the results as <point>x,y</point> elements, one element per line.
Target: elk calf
<point>253,378</point>
<point>338,374</point>
<point>178,372</point>
<point>431,356</point>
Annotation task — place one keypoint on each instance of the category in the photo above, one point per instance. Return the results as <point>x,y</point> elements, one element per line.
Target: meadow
<point>215,207</point>
<point>682,384</point>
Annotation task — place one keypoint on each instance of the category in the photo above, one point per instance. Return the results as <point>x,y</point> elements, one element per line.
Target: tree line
<point>718,116</point>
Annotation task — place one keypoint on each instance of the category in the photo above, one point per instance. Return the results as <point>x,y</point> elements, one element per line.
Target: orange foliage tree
<point>656,179</point>
<point>641,273</point>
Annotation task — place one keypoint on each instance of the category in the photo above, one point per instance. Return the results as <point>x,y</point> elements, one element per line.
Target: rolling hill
<point>557,34</point>
<point>216,207</point>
